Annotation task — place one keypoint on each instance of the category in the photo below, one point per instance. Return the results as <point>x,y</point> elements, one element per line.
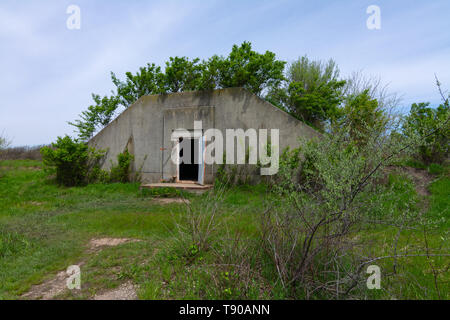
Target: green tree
<point>181,74</point>
<point>363,117</point>
<point>243,67</point>
<point>312,91</point>
<point>97,115</point>
<point>148,80</point>
<point>249,69</point>
<point>432,128</point>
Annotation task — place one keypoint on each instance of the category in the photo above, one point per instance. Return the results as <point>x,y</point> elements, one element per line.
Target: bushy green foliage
<point>243,67</point>
<point>431,127</point>
<point>121,171</point>
<point>69,157</point>
<point>341,186</point>
<point>75,163</point>
<point>228,175</point>
<point>288,170</point>
<point>315,219</point>
<point>362,115</point>
<point>312,91</point>
<point>222,176</point>
<point>249,69</point>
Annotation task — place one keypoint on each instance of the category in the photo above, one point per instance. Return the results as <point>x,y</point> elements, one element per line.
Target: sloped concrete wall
<point>148,123</point>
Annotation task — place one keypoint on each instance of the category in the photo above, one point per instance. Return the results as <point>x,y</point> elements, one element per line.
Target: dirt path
<point>48,289</point>
<point>171,200</point>
<point>420,177</point>
<point>57,285</point>
<point>98,243</point>
<point>126,291</point>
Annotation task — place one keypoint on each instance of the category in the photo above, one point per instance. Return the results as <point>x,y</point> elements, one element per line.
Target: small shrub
<point>228,175</point>
<point>121,171</point>
<point>74,162</point>
<point>308,235</point>
<point>288,170</point>
<point>97,175</point>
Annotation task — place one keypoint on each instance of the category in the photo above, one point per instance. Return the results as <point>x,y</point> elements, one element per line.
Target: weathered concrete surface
<point>189,187</point>
<point>146,126</point>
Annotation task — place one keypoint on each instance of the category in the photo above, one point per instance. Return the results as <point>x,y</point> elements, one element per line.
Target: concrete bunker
<point>155,126</point>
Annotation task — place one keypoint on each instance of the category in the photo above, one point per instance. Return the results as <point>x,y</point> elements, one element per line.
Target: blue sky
<point>48,72</point>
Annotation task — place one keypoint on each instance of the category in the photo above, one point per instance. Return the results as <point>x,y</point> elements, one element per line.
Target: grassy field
<point>45,228</point>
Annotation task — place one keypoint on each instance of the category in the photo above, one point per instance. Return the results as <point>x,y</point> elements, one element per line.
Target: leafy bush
<point>430,126</point>
<point>229,175</point>
<point>363,116</point>
<point>121,171</point>
<point>312,92</point>
<point>75,163</point>
<point>309,233</point>
<point>289,163</point>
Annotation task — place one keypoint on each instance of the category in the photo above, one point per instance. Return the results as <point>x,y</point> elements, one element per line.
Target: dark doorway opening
<point>188,168</point>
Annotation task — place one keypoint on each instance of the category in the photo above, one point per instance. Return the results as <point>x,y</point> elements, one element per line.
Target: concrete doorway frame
<point>190,134</point>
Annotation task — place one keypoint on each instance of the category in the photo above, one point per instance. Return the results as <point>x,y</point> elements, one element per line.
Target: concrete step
<point>190,187</point>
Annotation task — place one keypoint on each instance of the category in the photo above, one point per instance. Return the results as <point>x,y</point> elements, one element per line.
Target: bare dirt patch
<point>35,203</point>
<point>57,285</point>
<point>171,200</point>
<point>50,288</point>
<point>108,242</point>
<point>420,177</point>
<point>126,291</point>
